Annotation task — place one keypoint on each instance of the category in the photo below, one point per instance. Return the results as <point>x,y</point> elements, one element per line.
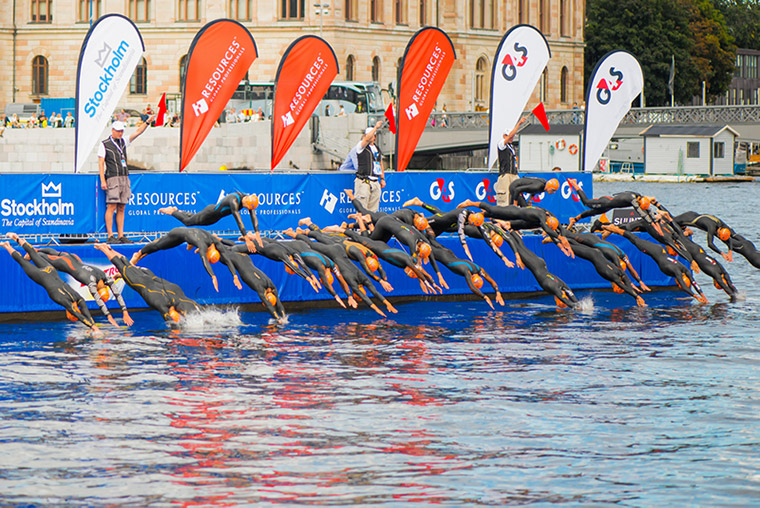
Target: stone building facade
<point>40,41</point>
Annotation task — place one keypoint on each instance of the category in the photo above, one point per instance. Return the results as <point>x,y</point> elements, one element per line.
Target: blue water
<point>445,402</point>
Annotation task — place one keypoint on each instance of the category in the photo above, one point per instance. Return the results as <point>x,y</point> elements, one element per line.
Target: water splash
<point>586,305</point>
<point>212,318</point>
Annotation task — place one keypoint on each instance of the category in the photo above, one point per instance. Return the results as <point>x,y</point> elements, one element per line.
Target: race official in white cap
<point>114,176</point>
<point>370,173</point>
<point>507,165</point>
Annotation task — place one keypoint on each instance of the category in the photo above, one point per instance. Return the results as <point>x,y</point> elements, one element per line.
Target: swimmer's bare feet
<point>349,194</point>
<point>168,210</point>
<point>415,201</point>
<point>304,221</point>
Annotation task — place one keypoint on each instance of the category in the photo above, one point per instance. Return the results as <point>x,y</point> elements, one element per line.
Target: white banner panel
<point>110,52</point>
<point>520,59</point>
<point>616,81</point>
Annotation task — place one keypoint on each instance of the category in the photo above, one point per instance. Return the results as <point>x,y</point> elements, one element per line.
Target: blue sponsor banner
<point>65,204</point>
<point>45,203</point>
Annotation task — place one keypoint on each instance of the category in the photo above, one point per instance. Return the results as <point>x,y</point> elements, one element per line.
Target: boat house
<point>541,150</point>
<point>689,150</point>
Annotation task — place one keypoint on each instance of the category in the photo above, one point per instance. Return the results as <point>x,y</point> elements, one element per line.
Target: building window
<point>719,150</point>
<point>522,11</point>
<point>564,17</point>
<point>39,75</point>
<point>399,11</point>
<point>376,11</point>
<point>89,11</point>
<point>481,88</point>
<point>423,12</point>
<point>139,10</point>
<point>42,11</point>
<point>241,10</point>
<point>563,76</point>
<point>351,10</point>
<point>138,85</point>
<point>182,71</point>
<point>544,92</point>
<point>189,10</point>
<point>692,150</point>
<point>482,13</point>
<point>543,16</point>
<point>291,9</point>
<point>376,69</point>
<point>350,68</point>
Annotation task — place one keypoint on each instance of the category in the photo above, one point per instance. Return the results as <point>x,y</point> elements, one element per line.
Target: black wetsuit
<point>537,266</point>
<point>254,278</point>
<point>394,256</point>
<point>668,265</point>
<point>85,274</point>
<point>389,226</point>
<point>608,270</point>
<point>158,293</point>
<point>598,206</point>
<point>231,204</point>
<point>711,267</point>
<point>462,267</point>
<point>277,251</point>
<point>43,273</point>
<point>521,218</point>
<point>611,251</point>
<point>525,185</point>
<point>199,238</point>
<point>711,224</point>
<point>312,259</point>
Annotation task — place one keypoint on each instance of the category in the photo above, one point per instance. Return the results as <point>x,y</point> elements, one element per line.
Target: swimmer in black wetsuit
<point>563,295</point>
<point>294,263</point>
<point>161,295</point>
<point>710,266</point>
<point>231,204</point>
<point>532,186</point>
<point>93,277</point>
<point>201,239</point>
<point>470,271</point>
<point>524,218</point>
<point>43,273</point>
<point>598,206</point>
<point>355,280</point>
<point>668,265</point>
<point>716,227</point>
<point>255,279</point>
<point>609,271</point>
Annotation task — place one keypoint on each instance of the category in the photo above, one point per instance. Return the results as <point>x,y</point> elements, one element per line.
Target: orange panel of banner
<point>220,55</point>
<point>305,74</point>
<point>428,59</point>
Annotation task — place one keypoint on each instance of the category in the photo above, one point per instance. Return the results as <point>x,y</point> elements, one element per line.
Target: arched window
<point>350,68</point>
<point>376,69</point>
<point>563,77</point>
<point>39,75</point>
<point>138,85</point>
<point>182,70</point>
<point>481,83</point>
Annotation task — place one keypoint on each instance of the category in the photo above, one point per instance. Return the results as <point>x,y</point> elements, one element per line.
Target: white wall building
<point>689,150</point>
<point>540,150</point>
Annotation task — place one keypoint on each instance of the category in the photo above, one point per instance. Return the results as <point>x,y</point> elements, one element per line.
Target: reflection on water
<point>447,402</point>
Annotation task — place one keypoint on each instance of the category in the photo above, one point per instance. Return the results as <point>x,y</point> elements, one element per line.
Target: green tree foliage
<point>652,30</point>
<point>743,21</point>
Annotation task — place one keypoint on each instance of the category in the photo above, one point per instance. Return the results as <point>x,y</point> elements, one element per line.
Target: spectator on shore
<point>232,116</point>
<point>69,121</point>
<point>341,111</point>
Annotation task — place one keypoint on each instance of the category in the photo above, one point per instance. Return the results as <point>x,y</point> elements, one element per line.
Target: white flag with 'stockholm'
<point>110,52</point>
<point>520,59</point>
<point>616,81</point>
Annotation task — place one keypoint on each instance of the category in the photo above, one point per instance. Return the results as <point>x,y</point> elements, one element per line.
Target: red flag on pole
<point>391,118</point>
<point>540,113</point>
<point>161,111</point>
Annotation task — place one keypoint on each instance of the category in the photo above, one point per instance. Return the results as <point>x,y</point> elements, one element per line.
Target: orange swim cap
<point>623,266</point>
<point>717,286</point>
<point>477,280</point>
<point>174,315</point>
<point>496,239</point>
<point>289,270</point>
<point>552,222</point>
<point>251,201</point>
<point>410,273</point>
<point>420,222</point>
<point>71,316</point>
<point>476,219</point>
<point>686,280</point>
<point>552,185</point>
<point>671,251</point>
<point>423,249</point>
<point>559,302</point>
<point>104,294</point>
<point>328,278</point>
<point>724,234</point>
<point>372,263</point>
<point>212,254</point>
<point>271,298</point>
<point>644,202</point>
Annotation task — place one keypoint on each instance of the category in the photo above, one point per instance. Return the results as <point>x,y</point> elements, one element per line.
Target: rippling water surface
<point>446,402</point>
